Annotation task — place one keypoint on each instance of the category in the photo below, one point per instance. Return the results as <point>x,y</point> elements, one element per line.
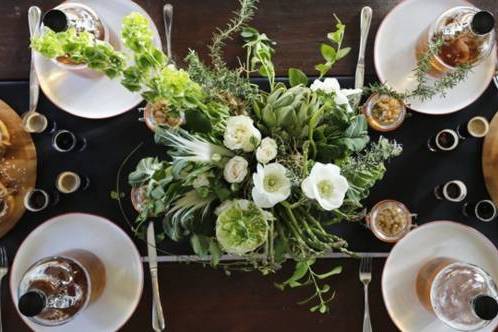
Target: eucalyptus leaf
<point>297,76</point>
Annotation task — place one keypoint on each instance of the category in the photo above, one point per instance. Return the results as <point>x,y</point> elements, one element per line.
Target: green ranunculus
<point>241,227</point>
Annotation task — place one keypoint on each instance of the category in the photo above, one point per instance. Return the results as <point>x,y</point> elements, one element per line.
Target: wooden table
<point>201,299</point>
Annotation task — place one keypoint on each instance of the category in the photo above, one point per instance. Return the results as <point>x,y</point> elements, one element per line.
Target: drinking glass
<point>444,140</point>
<point>37,123</point>
<point>453,191</point>
<point>37,200</point>
<point>69,182</point>
<point>477,127</point>
<point>66,141</point>
<point>483,210</point>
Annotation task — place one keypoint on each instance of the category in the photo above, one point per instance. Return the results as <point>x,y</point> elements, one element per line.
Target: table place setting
<point>134,156</point>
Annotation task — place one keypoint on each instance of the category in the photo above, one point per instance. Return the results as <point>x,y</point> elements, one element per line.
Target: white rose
<point>326,184</point>
<point>331,85</point>
<point>201,181</point>
<point>240,133</point>
<point>267,150</point>
<point>271,185</point>
<point>235,170</point>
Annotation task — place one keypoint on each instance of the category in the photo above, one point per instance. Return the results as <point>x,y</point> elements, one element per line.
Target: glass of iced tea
<point>56,289</point>
<point>467,35</point>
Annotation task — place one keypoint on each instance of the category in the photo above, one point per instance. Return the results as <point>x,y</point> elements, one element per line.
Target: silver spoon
<point>168,22</point>
<point>34,18</point>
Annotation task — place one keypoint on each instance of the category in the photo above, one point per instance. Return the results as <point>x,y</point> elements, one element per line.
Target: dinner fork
<point>365,278</point>
<point>3,271</point>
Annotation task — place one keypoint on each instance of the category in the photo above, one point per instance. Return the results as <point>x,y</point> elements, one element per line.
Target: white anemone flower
<point>331,85</point>
<point>271,185</point>
<point>326,184</point>
<point>240,133</point>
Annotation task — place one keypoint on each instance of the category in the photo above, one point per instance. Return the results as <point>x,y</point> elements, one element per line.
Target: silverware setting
<point>34,19</point>
<point>168,23</point>
<point>365,278</point>
<point>158,323</point>
<point>4,268</point>
<point>359,78</point>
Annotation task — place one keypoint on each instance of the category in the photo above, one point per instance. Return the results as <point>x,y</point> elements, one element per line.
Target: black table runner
<point>410,178</point>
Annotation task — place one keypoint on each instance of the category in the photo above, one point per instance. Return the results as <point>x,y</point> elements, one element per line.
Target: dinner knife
<point>158,323</point>
<point>34,18</point>
<point>365,20</point>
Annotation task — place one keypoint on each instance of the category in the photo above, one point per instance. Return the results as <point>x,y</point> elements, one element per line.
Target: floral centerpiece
<point>256,173</point>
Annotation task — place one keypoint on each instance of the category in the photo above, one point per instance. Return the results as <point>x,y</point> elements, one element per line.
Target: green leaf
<point>197,121</point>
<point>215,251</point>
<point>335,36</point>
<point>297,77</point>
<point>328,52</point>
<point>343,52</point>
<point>200,244</point>
<point>334,271</point>
<point>323,68</point>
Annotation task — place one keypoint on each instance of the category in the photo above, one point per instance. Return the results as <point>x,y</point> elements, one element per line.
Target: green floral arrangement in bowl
<point>260,174</point>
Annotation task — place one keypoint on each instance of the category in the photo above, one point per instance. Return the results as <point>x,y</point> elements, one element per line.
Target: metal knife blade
<point>365,20</point>
<point>157,317</point>
<point>34,19</point>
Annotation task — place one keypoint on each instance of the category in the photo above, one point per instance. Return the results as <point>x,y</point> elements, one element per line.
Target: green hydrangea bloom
<point>241,227</point>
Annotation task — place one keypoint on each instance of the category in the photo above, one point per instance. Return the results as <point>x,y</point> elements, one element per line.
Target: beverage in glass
<point>445,140</point>
<point>467,35</point>
<point>69,182</point>
<point>483,210</point>
<point>37,200</point>
<point>36,123</point>
<point>461,295</point>
<point>453,191</point>
<point>66,141</point>
<point>56,289</point>
<point>477,127</point>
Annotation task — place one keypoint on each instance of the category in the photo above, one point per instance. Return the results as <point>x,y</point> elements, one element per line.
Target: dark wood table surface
<point>201,299</point>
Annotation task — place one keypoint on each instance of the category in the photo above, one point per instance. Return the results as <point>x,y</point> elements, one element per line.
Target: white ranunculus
<point>331,85</point>
<point>267,150</point>
<point>240,133</point>
<point>235,170</point>
<point>201,181</point>
<point>326,184</point>
<point>271,185</point>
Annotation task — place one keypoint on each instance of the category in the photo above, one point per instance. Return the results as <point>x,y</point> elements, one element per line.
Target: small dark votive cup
<point>483,210</point>
<point>66,141</point>
<point>445,140</point>
<point>37,200</point>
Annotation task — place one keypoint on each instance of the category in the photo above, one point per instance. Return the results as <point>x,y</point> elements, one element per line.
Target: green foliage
<point>330,53</point>
<point>259,52</point>
<point>241,17</point>
<point>297,76</point>
<point>304,276</point>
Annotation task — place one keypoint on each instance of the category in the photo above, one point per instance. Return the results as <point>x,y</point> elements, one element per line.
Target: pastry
<point>6,201</point>
<point>4,138</point>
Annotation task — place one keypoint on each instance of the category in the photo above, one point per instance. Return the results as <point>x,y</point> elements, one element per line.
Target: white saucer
<point>85,93</point>
<point>394,56</point>
<point>111,244</point>
<point>435,239</point>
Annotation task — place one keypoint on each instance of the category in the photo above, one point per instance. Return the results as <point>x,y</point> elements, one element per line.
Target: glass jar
<point>468,37</point>
<point>461,295</point>
<point>56,289</point>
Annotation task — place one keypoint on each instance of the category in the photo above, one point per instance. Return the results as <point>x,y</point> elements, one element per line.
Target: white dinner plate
<point>85,93</point>
<point>432,240</point>
<point>111,244</point>
<point>394,56</point>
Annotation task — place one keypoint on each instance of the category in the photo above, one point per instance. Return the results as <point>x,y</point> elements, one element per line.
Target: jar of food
<point>389,220</point>
<point>383,112</point>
